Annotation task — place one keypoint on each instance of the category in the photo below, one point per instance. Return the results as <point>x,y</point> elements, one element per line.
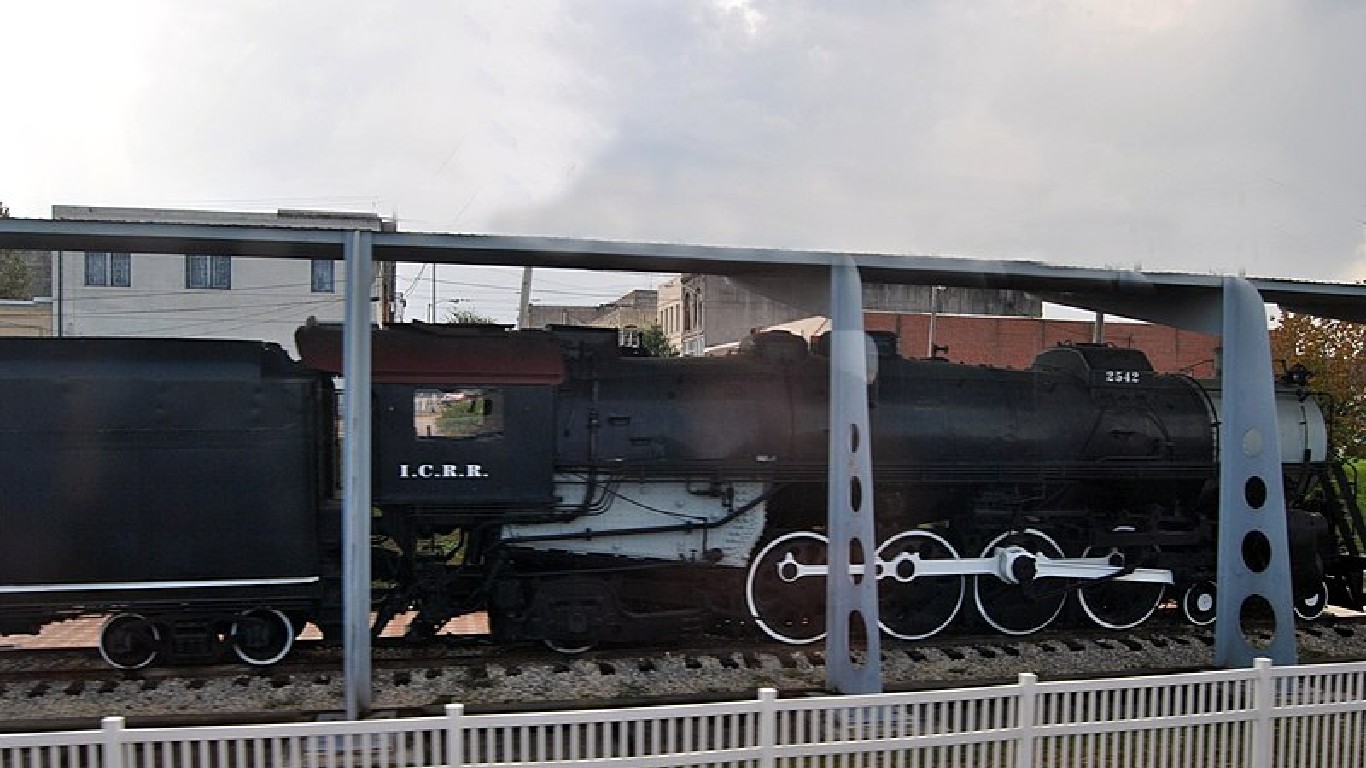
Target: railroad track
<point>70,687</point>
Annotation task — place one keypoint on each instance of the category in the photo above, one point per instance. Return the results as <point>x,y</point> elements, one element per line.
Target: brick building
<point>1013,342</point>
<point>700,312</point>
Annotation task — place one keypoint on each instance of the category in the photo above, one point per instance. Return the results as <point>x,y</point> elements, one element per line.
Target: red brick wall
<point>1013,342</point>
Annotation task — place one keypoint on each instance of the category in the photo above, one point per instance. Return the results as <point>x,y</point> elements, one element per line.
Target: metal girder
<point>1254,552</point>
<point>356,477</point>
<point>851,588</point>
<point>1143,295</point>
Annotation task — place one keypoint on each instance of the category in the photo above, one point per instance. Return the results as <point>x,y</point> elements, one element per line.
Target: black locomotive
<point>582,494</point>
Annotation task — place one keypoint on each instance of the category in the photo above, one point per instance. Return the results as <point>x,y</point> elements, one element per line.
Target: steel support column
<point>851,600</point>
<point>1254,554</point>
<point>356,475</point>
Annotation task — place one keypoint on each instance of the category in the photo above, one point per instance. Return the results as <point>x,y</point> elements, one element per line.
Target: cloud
<point>1193,136</point>
<point>1216,135</point>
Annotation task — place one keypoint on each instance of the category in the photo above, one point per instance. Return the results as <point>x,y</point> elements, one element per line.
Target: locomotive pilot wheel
<point>912,607</point>
<point>786,603</point>
<point>1198,602</point>
<point>1120,604</point>
<point>1310,604</point>
<point>262,636</point>
<point>129,641</point>
<point>1025,608</point>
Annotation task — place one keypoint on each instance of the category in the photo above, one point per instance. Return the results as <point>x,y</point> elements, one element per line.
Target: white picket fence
<point>1259,718</point>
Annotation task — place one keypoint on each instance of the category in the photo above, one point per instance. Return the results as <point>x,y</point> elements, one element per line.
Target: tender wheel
<point>262,636</point>
<point>129,641</point>
<point>915,607</point>
<point>1198,603</point>
<point>788,606</point>
<point>568,646</point>
<point>1120,604</point>
<point>1310,605</point>
<point>1020,609</point>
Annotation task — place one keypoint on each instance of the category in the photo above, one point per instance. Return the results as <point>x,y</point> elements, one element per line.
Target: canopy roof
<point>1173,298</point>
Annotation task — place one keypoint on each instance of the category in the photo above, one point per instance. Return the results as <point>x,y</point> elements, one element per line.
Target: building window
<point>108,269</point>
<point>208,271</point>
<point>692,309</point>
<point>630,336</point>
<point>324,276</point>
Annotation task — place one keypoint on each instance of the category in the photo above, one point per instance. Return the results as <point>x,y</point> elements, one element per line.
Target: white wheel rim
<point>284,651</point>
<point>977,592</point>
<point>1198,598</point>
<point>962,584</point>
<point>1313,606</point>
<point>104,653</point>
<point>1091,614</point>
<point>749,588</point>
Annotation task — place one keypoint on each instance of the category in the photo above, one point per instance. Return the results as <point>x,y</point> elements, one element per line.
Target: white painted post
<point>455,735</point>
<point>111,742</point>
<point>1026,709</point>
<point>1264,701</point>
<point>768,726</point>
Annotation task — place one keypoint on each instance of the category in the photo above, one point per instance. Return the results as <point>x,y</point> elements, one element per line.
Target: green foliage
<point>656,343</point>
<point>14,276</point>
<point>454,314</point>
<point>14,273</point>
<point>1357,473</point>
<point>460,419</point>
<point>1334,351</point>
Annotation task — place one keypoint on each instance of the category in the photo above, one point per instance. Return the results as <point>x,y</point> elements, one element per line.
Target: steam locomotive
<point>580,493</point>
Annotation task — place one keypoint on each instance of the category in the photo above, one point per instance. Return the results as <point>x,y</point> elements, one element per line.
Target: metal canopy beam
<point>1144,295</point>
<point>851,607</point>
<point>1253,571</point>
<point>356,478</point>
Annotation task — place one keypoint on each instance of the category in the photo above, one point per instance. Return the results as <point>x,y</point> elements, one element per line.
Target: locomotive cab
<point>463,447</point>
<point>460,416</point>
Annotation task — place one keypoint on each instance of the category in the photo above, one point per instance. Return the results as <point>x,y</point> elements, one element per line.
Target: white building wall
<point>268,298</point>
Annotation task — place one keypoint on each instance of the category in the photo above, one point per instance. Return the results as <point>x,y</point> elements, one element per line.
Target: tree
<point>1331,353</point>
<point>454,314</point>
<point>14,271</point>
<point>654,341</point>
<point>14,276</point>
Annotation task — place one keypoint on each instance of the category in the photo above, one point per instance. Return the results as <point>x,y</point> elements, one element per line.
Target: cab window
<point>457,413</point>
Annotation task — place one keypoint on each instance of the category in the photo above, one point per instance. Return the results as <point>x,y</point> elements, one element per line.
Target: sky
<point>1219,136</point>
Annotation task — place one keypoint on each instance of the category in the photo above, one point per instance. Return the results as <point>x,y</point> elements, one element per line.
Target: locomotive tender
<point>581,494</point>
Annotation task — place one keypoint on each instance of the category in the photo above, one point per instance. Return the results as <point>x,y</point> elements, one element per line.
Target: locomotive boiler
<point>583,494</point>
<point>661,494</point>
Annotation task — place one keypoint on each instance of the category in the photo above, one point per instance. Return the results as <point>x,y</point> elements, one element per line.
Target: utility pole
<point>934,315</point>
<point>431,315</point>
<point>524,303</point>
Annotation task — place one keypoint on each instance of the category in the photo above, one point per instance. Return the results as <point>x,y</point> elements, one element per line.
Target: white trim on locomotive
<point>115,586</point>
